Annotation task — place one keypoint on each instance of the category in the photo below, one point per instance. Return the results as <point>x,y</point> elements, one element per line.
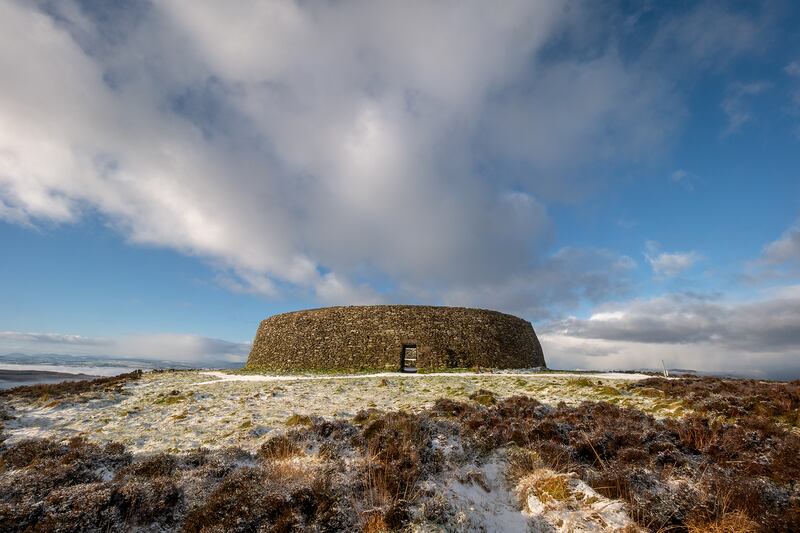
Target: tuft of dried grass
<point>373,522</point>
<point>551,488</point>
<point>732,522</point>
<point>280,448</point>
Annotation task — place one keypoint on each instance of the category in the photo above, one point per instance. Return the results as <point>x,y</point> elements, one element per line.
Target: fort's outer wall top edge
<point>397,306</point>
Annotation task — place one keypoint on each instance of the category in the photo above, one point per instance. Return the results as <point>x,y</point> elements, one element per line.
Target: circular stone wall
<point>378,337</point>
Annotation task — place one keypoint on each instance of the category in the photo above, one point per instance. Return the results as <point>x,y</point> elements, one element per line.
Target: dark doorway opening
<point>408,358</point>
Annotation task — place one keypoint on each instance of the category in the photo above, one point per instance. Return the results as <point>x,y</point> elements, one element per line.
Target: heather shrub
<point>281,447</point>
<point>153,501</point>
<point>398,451</point>
<point>732,398</point>
<point>670,473</point>
<point>83,507</point>
<point>249,498</point>
<point>157,465</point>
<point>71,388</point>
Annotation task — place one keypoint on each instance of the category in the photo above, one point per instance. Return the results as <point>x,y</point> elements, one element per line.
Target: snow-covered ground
<point>175,411</point>
<point>227,376</point>
<point>179,411</point>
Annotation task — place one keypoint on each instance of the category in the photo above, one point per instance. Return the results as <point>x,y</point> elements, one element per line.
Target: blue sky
<point>625,176</point>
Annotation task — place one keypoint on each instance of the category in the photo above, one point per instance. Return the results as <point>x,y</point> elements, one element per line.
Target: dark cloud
<point>771,324</point>
<point>557,284</point>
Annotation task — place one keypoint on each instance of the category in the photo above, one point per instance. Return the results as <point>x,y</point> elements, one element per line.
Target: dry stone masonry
<point>394,337</point>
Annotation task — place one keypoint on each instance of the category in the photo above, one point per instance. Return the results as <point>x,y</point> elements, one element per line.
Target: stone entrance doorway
<point>408,359</point>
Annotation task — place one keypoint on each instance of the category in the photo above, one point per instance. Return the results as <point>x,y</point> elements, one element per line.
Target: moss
<point>484,397</point>
<point>580,382</point>
<point>552,488</point>
<point>298,420</point>
<point>647,392</point>
<point>305,372</point>
<point>607,391</point>
<point>445,370</point>
<point>170,399</point>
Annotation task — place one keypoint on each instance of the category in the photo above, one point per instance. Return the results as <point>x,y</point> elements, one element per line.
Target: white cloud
<point>184,348</point>
<point>318,145</point>
<point>668,264</point>
<point>679,175</point>
<point>793,70</point>
<point>334,291</point>
<point>756,337</point>
<point>735,107</point>
<point>785,250</point>
<point>712,33</point>
<point>684,178</point>
<point>779,258</point>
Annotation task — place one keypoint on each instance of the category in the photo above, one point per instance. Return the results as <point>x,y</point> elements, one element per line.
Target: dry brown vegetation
<point>672,473</point>
<point>712,471</point>
<point>732,398</point>
<point>80,486</point>
<point>70,388</point>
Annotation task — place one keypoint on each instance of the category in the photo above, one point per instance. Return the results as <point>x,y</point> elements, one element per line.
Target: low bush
<point>731,398</point>
<point>671,473</point>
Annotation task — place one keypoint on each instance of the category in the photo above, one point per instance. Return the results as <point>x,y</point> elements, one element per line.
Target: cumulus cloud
<point>668,264</point>
<point>779,258</point>
<point>183,348</point>
<point>322,146</point>
<point>560,282</point>
<point>785,250</point>
<point>757,337</point>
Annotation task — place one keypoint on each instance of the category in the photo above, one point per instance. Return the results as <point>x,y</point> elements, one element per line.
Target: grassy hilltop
<point>196,451</point>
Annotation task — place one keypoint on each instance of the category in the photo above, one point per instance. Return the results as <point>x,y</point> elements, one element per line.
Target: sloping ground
<point>175,411</point>
<point>466,452</point>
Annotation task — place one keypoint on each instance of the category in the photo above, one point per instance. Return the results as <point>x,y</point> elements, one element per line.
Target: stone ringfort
<point>394,337</point>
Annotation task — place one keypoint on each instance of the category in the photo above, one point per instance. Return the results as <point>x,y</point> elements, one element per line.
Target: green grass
<point>343,371</point>
<point>444,370</point>
<point>304,373</point>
